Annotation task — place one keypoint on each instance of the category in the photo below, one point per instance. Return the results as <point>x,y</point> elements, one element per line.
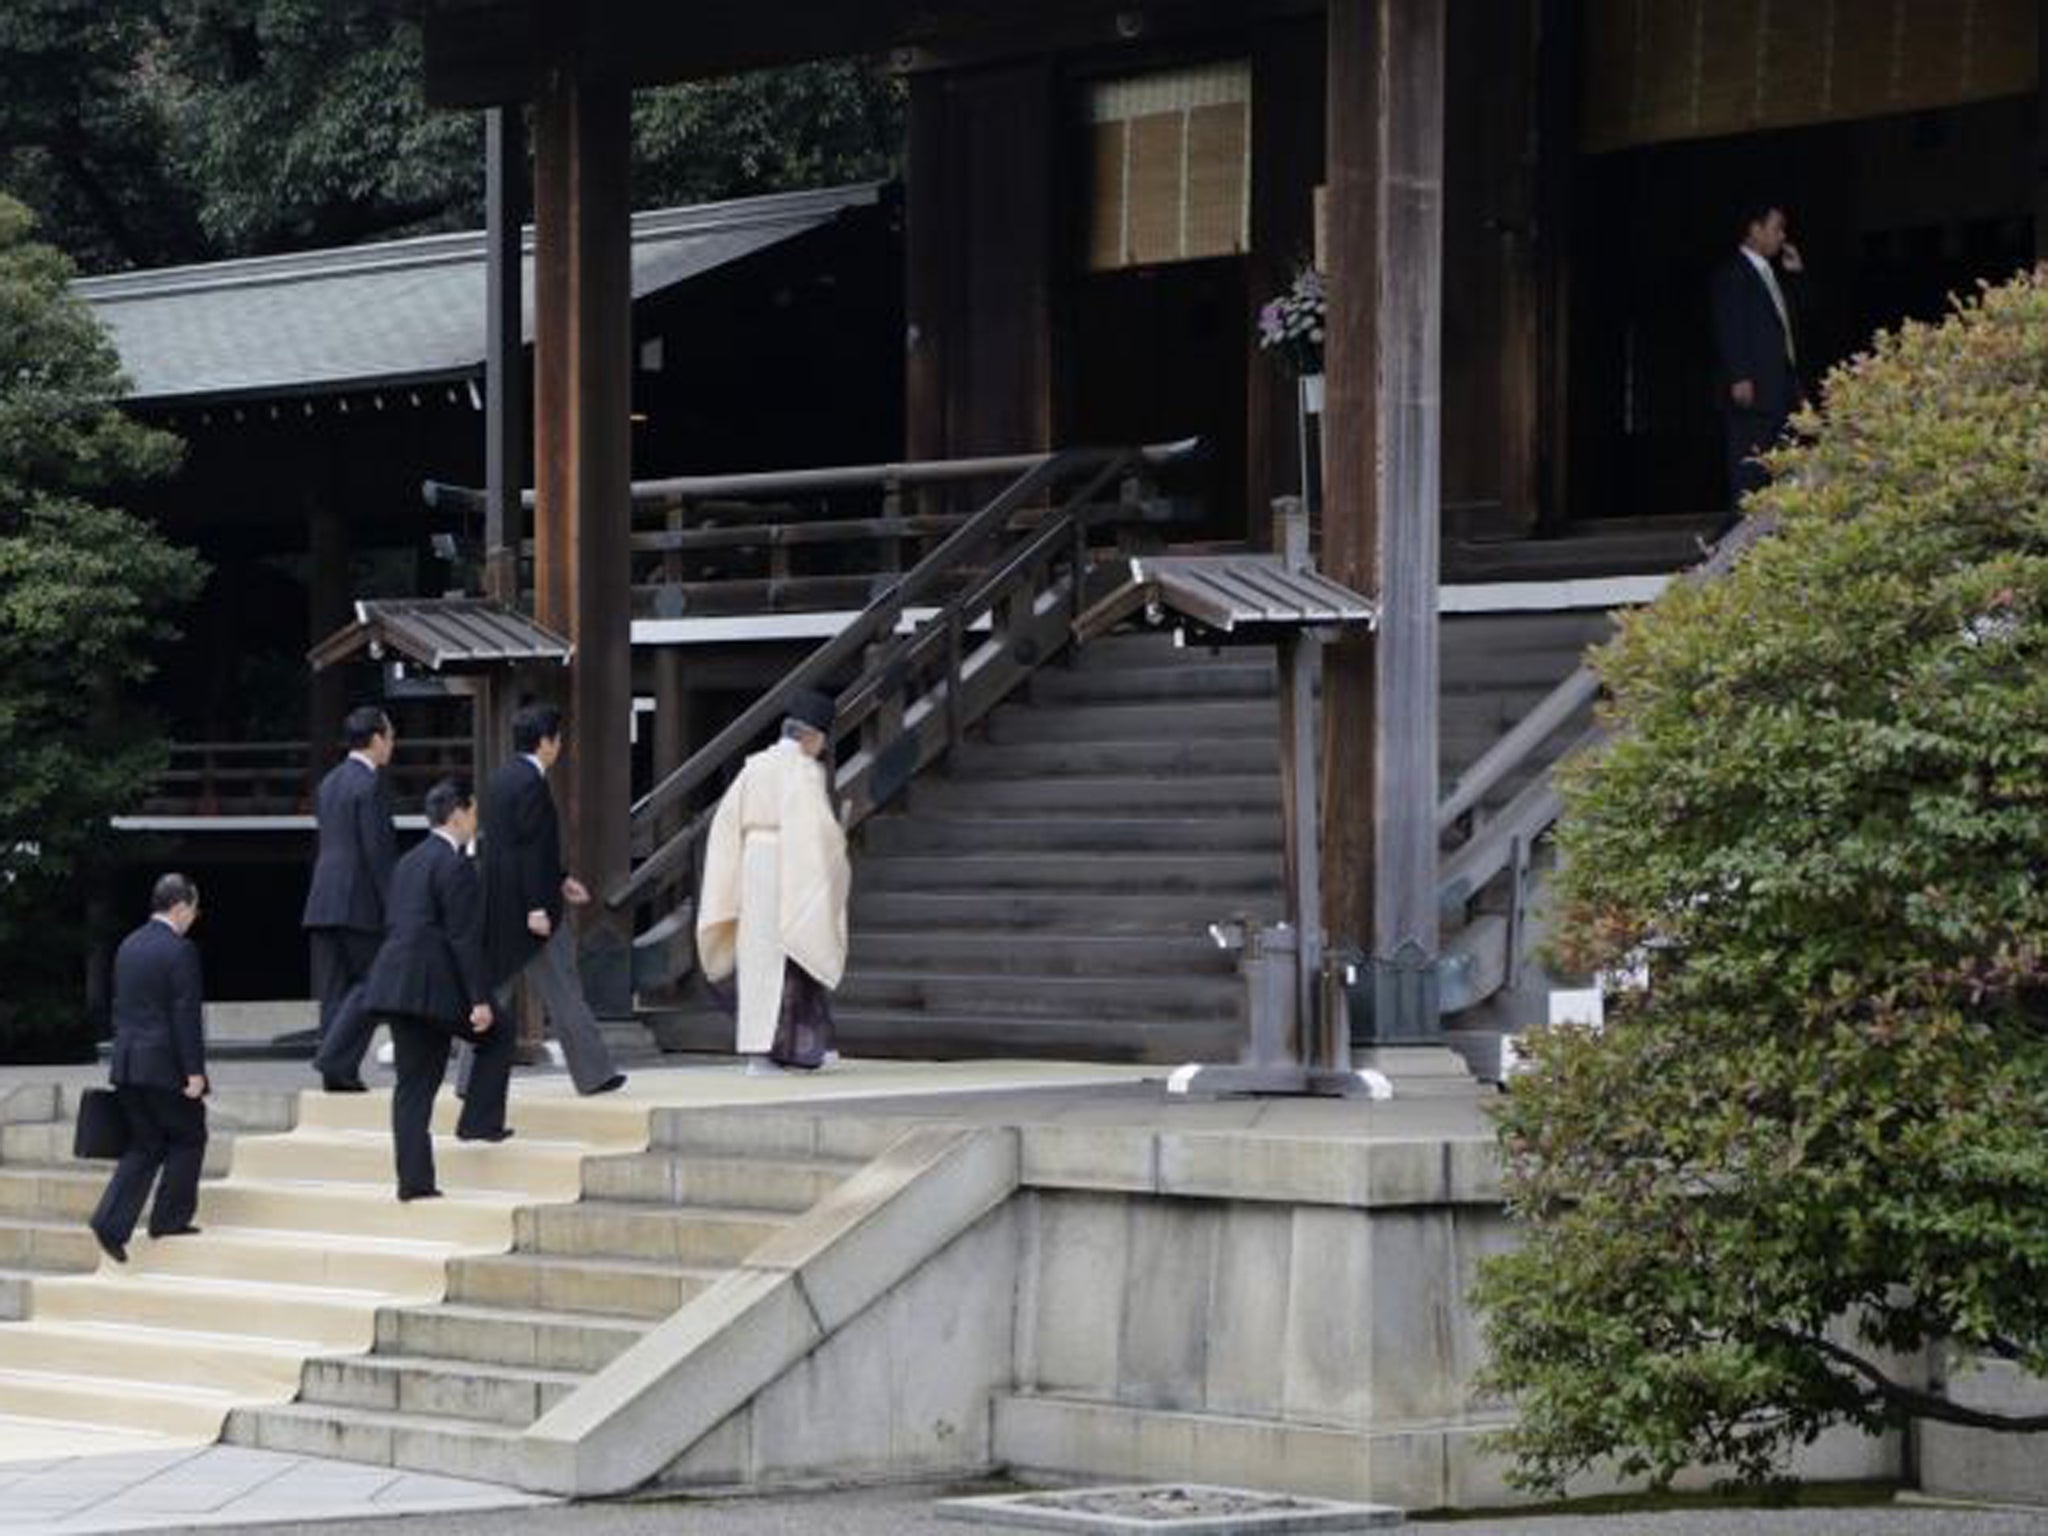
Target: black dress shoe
<point>408,1196</point>
<point>333,1083</point>
<point>188,1230</point>
<point>118,1252</point>
<point>503,1133</point>
<point>611,1084</point>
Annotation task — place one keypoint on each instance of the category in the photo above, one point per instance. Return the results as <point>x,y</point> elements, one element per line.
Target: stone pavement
<point>909,1512</point>
<point>223,1486</point>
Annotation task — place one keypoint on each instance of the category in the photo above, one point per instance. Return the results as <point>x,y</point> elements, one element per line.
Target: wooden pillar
<point>1287,161</point>
<point>1557,75</point>
<point>2041,131</point>
<point>1380,532</point>
<point>928,271</point>
<point>504,353</point>
<point>328,605</point>
<point>583,472</point>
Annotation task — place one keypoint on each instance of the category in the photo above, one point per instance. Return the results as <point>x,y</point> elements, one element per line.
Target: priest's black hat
<point>813,708</point>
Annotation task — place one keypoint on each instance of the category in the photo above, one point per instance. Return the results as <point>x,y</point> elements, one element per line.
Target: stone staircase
<point>448,1383</point>
<point>1049,891</point>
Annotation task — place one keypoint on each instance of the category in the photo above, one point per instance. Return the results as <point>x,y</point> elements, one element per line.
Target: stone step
<point>762,1133</point>
<point>177,1410</point>
<point>639,1288</point>
<point>240,1362</point>
<point>43,1246</point>
<point>1220,831</point>
<point>538,1112</point>
<point>47,1144</point>
<point>68,1193</point>
<point>683,1235</point>
<point>1043,952</point>
<point>525,1165</point>
<point>468,1218</point>
<point>349,1261</point>
<point>1170,796</point>
<point>462,1448</point>
<point>667,1177</point>
<point>446,1389</point>
<point>1169,753</point>
<point>246,1023</point>
<point>1227,875</point>
<point>1207,721</point>
<point>914,1033</point>
<point>1167,914</point>
<point>1162,998</point>
<point>553,1341</point>
<point>314,1318</point>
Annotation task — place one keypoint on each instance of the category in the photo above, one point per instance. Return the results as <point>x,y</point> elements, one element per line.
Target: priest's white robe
<point>775,887</point>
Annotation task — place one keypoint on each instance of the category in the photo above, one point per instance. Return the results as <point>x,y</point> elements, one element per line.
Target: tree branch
<point>1916,1402</point>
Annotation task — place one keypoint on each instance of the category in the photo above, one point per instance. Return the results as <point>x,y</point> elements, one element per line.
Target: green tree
<point>1815,1147</point>
<point>85,594</point>
<point>151,132</point>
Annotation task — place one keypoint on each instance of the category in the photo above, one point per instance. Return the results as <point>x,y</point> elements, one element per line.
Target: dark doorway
<point>1160,353</point>
<point>1892,215</point>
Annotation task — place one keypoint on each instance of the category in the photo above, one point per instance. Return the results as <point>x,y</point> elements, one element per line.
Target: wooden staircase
<point>1048,890</point>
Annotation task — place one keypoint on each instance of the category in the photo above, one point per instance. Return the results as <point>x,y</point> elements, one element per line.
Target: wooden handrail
<point>687,488</point>
<point>878,621</point>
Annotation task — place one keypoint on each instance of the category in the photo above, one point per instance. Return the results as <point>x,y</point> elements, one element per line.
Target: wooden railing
<point>275,778</point>
<point>1006,582</point>
<point>789,541</point>
<point>1495,844</point>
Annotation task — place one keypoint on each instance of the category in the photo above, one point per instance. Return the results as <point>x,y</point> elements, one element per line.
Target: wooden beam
<point>1385,178</point>
<point>1557,153</point>
<point>583,471</point>
<point>328,600</point>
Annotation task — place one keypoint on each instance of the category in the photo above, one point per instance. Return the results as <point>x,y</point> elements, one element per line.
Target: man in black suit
<point>429,983</point>
<point>158,1072</point>
<point>526,895</point>
<point>1757,339</point>
<point>345,908</point>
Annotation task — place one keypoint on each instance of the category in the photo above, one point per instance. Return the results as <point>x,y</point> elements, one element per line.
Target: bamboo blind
<point>1658,70</point>
<point>1171,166</point>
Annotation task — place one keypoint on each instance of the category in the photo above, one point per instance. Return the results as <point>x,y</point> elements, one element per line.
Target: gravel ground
<point>901,1512</point>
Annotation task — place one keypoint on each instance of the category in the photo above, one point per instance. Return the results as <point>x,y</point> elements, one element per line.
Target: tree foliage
<point>85,590</point>
<point>1817,1143</point>
<point>151,132</point>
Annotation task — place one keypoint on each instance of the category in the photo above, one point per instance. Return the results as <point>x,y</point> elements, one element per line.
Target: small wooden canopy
<point>451,634</point>
<point>1249,599</point>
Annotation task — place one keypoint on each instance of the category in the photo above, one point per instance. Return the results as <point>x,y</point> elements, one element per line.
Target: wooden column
<point>583,470</point>
<point>328,606</point>
<point>1557,73</point>
<point>504,353</point>
<point>2041,131</point>
<point>1380,534</point>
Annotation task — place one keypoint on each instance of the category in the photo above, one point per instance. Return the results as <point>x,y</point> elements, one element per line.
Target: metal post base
<point>1211,1080</point>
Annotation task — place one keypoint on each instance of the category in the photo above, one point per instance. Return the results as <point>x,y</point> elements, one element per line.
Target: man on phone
<point>158,1072</point>
<point>1756,337</point>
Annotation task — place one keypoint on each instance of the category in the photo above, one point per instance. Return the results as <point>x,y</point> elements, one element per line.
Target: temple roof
<point>393,313</point>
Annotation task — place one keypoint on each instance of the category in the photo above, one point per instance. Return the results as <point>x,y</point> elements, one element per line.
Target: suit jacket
<point>1749,338</point>
<point>159,1036</point>
<point>432,963</point>
<point>522,858</point>
<point>358,851</point>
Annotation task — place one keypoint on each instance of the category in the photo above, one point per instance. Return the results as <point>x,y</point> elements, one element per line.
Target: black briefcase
<point>102,1127</point>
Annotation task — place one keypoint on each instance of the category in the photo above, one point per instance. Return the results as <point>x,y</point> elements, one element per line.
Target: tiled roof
<point>390,313</point>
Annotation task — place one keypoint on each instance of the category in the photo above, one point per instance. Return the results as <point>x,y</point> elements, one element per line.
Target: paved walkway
<point>226,1486</point>
<point>909,1512</point>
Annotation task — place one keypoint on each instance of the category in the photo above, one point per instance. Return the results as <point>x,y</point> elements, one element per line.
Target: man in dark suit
<point>345,908</point>
<point>1756,336</point>
<point>429,983</point>
<point>526,896</point>
<point>158,1072</point>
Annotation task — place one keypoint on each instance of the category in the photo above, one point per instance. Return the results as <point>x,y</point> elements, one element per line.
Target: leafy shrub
<point>1817,1143</point>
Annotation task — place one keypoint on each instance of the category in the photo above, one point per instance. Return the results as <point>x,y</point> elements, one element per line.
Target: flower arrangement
<point>1291,326</point>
